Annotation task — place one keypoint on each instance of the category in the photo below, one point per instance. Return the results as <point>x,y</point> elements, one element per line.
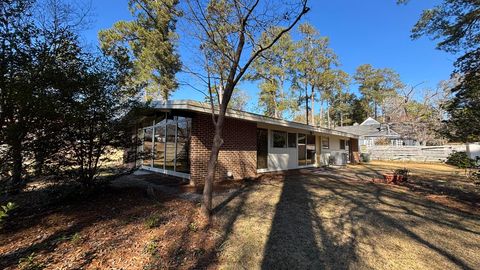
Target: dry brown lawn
<point>305,219</point>
<point>338,219</point>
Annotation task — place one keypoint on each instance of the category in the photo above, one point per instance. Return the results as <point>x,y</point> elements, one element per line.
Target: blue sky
<point>372,31</point>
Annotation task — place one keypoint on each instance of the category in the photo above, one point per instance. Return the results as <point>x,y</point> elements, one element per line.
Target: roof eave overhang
<point>200,107</point>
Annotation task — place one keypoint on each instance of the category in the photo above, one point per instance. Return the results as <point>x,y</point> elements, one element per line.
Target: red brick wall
<point>237,155</point>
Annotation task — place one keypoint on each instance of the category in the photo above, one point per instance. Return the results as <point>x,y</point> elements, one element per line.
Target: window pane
<point>262,148</point>
<point>183,145</point>
<point>159,157</point>
<point>170,145</point>
<point>302,149</point>
<point>325,142</point>
<point>292,140</point>
<point>279,139</point>
<point>342,144</point>
<point>160,120</point>
<point>147,146</point>
<point>310,149</point>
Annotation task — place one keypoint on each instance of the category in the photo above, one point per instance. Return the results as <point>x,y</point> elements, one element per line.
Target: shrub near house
<point>461,160</point>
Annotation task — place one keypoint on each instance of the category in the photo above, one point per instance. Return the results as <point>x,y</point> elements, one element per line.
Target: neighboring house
<point>177,137</point>
<point>371,133</point>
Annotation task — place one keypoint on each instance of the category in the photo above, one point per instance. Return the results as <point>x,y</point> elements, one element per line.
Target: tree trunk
<point>375,109</point>
<point>328,114</point>
<point>312,100</point>
<point>39,162</point>
<point>17,158</point>
<point>211,167</point>
<point>341,119</point>
<point>321,113</point>
<point>306,104</point>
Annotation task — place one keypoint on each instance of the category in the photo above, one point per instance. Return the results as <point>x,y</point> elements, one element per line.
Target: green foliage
<point>365,157</point>
<point>460,160</point>
<point>151,248</point>
<point>456,24</point>
<point>376,85</point>
<point>314,73</point>
<point>5,210</point>
<point>153,221</point>
<point>274,70</point>
<point>60,105</point>
<point>463,123</point>
<point>193,227</point>
<point>76,238</point>
<point>147,46</point>
<point>30,263</point>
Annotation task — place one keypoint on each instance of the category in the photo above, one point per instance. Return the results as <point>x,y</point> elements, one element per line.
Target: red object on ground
<point>389,178</point>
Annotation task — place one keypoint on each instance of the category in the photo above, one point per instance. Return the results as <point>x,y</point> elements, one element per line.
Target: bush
<point>365,157</point>
<point>460,160</point>
<point>5,210</point>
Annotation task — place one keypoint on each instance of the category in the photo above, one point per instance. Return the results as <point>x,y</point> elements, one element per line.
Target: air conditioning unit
<point>338,158</point>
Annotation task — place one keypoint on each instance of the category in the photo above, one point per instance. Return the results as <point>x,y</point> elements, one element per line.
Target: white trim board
<point>167,172</point>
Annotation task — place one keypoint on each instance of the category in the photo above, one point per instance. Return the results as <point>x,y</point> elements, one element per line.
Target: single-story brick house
<point>176,137</point>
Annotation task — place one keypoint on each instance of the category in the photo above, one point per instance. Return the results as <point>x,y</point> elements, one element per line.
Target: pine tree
<point>376,84</point>
<point>456,24</point>
<point>274,70</point>
<point>147,45</point>
<point>314,58</point>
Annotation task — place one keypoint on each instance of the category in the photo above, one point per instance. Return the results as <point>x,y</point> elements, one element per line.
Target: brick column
<point>238,154</point>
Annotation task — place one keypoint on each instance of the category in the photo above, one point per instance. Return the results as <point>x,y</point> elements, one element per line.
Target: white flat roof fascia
<point>196,106</point>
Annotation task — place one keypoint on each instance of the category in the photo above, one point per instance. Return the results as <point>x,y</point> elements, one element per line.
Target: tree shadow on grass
<point>231,213</point>
<point>321,220</point>
<point>298,238</point>
<point>401,217</point>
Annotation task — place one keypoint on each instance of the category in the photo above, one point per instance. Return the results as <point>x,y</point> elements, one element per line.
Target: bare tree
<point>418,112</point>
<point>228,34</point>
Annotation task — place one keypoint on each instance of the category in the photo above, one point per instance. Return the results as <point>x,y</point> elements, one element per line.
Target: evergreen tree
<point>273,70</point>
<point>314,58</point>
<point>147,45</point>
<point>376,84</point>
<point>456,24</point>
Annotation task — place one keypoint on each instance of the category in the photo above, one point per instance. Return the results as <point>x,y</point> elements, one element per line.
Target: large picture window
<point>169,142</point>
<point>279,139</point>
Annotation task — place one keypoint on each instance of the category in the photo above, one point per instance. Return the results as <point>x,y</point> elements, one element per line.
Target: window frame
<point>325,139</point>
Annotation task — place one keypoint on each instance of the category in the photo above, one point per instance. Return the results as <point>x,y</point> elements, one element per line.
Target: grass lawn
<point>306,219</point>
